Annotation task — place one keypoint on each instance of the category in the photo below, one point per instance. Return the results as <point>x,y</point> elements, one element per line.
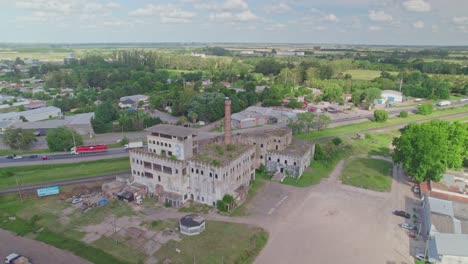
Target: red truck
<point>88,149</point>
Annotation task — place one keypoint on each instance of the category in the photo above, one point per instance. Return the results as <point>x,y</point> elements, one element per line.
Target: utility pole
<point>401,83</point>
<point>19,189</point>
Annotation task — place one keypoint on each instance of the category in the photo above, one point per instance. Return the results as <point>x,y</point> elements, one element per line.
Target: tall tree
<point>426,150</point>
<point>19,139</point>
<point>63,139</point>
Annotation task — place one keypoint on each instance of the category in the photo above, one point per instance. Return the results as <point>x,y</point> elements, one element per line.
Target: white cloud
<point>417,6</point>
<point>276,27</point>
<point>227,6</point>
<point>278,8</point>
<point>461,23</point>
<point>244,16</point>
<point>418,24</point>
<point>375,28</point>
<point>113,5</point>
<point>167,13</point>
<point>379,16</point>
<point>330,18</point>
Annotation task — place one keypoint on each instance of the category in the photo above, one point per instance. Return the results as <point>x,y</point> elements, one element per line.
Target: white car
<point>11,257</point>
<point>407,226</point>
<point>463,100</point>
<point>420,256</point>
<point>17,157</point>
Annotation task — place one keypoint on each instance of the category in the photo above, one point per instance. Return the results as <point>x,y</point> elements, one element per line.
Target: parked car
<point>45,157</point>
<point>416,189</point>
<point>17,157</point>
<point>420,256</point>
<point>402,214</point>
<point>412,234</point>
<point>77,200</point>
<point>408,226</point>
<point>32,156</point>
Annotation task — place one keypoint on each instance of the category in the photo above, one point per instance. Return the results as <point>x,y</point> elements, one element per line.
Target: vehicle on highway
<point>88,149</point>
<point>134,145</point>
<point>402,214</point>
<point>45,157</point>
<point>418,100</point>
<point>32,156</point>
<point>10,156</point>
<point>463,100</point>
<point>407,226</point>
<point>17,157</point>
<point>444,103</point>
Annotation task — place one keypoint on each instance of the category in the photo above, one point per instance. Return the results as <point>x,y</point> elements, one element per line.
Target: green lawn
<point>5,152</point>
<point>193,207</point>
<point>43,173</point>
<point>375,144</point>
<point>219,243</point>
<point>367,173</point>
<point>367,125</point>
<point>366,75</point>
<point>320,170</point>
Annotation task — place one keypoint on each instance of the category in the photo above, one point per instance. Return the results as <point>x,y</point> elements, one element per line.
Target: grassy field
<point>367,125</point>
<point>5,152</point>
<point>195,208</point>
<point>43,173</point>
<point>367,173</point>
<point>367,75</point>
<point>319,170</point>
<point>375,144</point>
<point>219,243</point>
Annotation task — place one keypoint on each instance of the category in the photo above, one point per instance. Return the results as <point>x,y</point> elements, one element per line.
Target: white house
<point>391,96</point>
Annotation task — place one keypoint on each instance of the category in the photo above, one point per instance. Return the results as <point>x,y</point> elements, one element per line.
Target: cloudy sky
<point>414,22</point>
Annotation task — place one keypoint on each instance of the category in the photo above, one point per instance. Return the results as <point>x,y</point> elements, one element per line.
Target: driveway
<point>37,252</point>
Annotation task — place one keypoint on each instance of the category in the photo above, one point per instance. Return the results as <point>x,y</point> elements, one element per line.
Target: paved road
<point>37,252</point>
<point>61,183</point>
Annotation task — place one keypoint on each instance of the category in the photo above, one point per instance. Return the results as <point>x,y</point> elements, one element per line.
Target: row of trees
<point>307,121</point>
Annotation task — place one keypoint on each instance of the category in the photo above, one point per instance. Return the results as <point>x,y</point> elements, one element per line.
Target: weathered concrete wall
<point>289,165</point>
<point>181,148</point>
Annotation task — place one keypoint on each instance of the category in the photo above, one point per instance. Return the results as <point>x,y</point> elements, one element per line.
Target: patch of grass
<point>254,187</point>
<point>79,248</point>
<point>160,225</point>
<point>220,243</point>
<point>366,75</point>
<point>6,152</point>
<point>196,208</point>
<point>320,169</point>
<point>367,125</point>
<point>43,173</point>
<point>367,173</point>
<point>119,248</point>
<point>374,144</point>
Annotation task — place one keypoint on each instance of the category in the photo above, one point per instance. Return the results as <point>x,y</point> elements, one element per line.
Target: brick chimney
<point>227,121</point>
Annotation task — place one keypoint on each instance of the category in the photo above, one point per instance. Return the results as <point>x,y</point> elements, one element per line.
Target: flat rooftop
<point>296,149</point>
<point>177,131</point>
<point>449,217</point>
<point>218,155</point>
<point>276,132</point>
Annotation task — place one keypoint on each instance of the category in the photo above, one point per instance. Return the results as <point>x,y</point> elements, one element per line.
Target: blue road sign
<point>48,191</point>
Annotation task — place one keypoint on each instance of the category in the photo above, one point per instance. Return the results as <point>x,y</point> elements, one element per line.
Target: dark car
<point>10,156</point>
<point>32,156</point>
<point>45,157</point>
<point>402,214</point>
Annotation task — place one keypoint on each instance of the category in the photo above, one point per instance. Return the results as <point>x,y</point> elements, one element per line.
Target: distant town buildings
<point>390,96</point>
<point>30,115</point>
<point>290,53</point>
<point>133,101</point>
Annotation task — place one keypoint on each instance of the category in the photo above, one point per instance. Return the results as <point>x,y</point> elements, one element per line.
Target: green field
<point>366,75</point>
<point>219,243</point>
<point>367,173</point>
<point>367,125</point>
<point>375,144</point>
<point>43,173</point>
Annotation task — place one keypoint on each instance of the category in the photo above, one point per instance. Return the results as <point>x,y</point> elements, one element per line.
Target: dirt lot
<point>333,223</point>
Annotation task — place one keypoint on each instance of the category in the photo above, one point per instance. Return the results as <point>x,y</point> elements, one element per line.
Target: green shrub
<point>337,141</point>
<point>403,114</point>
<point>221,205</point>
<point>426,109</point>
<point>124,141</point>
<point>318,152</point>
<point>380,115</point>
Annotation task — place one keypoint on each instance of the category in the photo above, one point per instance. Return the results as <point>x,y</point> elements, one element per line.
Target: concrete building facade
<point>291,161</point>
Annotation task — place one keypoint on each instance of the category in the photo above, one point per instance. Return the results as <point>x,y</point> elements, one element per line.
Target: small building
<point>35,104</point>
<point>192,224</point>
<point>390,96</point>
<point>32,115</point>
<point>248,119</point>
<point>133,100</point>
<point>292,161</point>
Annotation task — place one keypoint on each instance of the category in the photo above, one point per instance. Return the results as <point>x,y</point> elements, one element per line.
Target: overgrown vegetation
<point>372,174</point>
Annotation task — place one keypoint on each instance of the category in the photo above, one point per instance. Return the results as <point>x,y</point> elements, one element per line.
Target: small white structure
<point>191,224</point>
<point>391,96</point>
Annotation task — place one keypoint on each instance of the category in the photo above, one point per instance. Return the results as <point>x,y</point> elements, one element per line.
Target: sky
<point>381,22</point>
